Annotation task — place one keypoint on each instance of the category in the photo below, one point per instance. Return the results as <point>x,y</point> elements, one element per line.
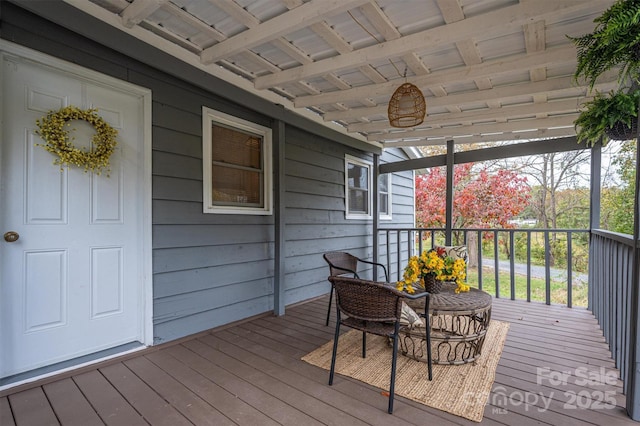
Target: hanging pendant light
<point>407,106</point>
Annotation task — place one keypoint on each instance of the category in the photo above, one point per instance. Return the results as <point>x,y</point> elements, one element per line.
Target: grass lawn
<point>558,288</point>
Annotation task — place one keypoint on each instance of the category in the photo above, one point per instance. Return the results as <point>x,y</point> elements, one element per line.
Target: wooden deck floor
<point>251,374</point>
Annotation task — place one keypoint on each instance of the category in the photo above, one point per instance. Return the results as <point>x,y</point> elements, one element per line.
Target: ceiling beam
<point>478,129</point>
<point>139,10</point>
<point>493,137</point>
<point>286,23</point>
<point>474,116</point>
<point>486,154</point>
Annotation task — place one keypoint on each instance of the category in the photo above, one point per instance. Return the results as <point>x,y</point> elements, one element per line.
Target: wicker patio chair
<point>341,263</point>
<point>375,308</point>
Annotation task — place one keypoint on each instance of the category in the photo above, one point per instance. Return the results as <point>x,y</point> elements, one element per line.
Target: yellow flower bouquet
<point>433,264</point>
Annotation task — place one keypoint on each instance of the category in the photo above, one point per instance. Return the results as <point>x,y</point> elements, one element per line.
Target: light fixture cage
<point>407,106</point>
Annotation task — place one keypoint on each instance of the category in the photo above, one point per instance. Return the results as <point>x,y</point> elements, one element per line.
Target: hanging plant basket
<point>622,132</point>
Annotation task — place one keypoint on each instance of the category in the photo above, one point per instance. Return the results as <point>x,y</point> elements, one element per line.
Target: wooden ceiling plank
<point>415,64</point>
<point>332,38</point>
<point>372,74</point>
<point>451,10</point>
<point>496,22</point>
<point>535,41</point>
<point>380,21</point>
<point>293,51</point>
<point>469,52</point>
<point>306,87</point>
<point>292,4</point>
<point>259,61</point>
<point>237,12</point>
<point>139,10</point>
<point>501,137</point>
<point>286,23</point>
<point>337,81</point>
<point>196,23</point>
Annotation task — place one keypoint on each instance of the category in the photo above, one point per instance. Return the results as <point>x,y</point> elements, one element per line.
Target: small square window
<point>357,188</point>
<point>384,196</point>
<point>236,165</point>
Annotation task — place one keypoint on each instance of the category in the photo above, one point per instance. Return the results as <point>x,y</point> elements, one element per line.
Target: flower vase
<point>432,285</point>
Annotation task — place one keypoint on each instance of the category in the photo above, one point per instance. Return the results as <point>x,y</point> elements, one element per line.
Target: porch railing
<point>396,245</point>
<point>610,294</point>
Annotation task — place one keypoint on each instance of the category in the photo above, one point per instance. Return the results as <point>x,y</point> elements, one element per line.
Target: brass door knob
<point>11,236</point>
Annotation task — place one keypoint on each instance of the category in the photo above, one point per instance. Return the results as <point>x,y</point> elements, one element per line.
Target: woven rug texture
<point>462,390</point>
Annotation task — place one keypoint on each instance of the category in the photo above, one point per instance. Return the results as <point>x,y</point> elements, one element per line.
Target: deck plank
<point>70,405</point>
<point>251,373</point>
<point>6,417</point>
<point>31,407</point>
<point>145,399</point>
<point>112,408</point>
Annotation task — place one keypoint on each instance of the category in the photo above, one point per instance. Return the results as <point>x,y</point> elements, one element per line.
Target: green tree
<point>617,201</point>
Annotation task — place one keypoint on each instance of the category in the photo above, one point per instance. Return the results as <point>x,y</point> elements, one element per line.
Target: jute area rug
<point>462,390</point>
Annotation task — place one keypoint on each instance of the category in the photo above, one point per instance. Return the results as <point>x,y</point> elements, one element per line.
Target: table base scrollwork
<point>459,324</point>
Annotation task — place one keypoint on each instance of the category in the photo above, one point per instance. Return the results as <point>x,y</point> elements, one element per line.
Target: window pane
<point>358,201</point>
<point>358,176</point>
<point>382,183</point>
<point>234,147</point>
<point>233,186</point>
<point>384,204</point>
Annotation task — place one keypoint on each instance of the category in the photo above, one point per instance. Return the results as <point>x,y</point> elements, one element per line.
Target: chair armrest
<point>386,276</point>
<point>415,296</point>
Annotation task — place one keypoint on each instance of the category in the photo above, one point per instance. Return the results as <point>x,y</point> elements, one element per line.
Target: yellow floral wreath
<point>51,128</point>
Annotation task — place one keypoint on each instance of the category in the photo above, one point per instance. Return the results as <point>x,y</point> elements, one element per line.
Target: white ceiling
<point>490,70</point>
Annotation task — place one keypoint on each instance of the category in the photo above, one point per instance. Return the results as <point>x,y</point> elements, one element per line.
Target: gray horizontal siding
<point>209,269</point>
<point>315,211</point>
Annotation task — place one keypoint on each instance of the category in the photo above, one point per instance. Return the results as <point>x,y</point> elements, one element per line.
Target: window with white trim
<point>384,196</point>
<point>358,183</point>
<point>236,159</point>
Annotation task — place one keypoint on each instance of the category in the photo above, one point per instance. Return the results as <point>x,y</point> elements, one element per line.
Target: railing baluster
<point>480,260</point>
<point>512,264</point>
<point>496,262</point>
<point>547,268</point>
<point>569,270</point>
<point>399,245</point>
<point>388,253</point>
<point>528,266</point>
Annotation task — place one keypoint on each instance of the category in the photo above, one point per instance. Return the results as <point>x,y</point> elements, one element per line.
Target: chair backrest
<point>341,263</point>
<point>367,300</point>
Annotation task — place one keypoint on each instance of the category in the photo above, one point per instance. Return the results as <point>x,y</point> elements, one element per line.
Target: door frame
<point>145,278</point>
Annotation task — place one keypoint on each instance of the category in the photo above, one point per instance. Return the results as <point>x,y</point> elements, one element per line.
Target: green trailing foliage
<point>614,42</point>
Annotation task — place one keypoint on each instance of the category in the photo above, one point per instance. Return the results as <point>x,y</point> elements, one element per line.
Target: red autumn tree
<point>481,199</point>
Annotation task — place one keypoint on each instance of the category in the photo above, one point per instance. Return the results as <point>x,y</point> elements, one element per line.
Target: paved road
<point>536,271</point>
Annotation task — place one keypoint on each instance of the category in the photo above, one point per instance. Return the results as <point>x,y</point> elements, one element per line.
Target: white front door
<point>72,284</point>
